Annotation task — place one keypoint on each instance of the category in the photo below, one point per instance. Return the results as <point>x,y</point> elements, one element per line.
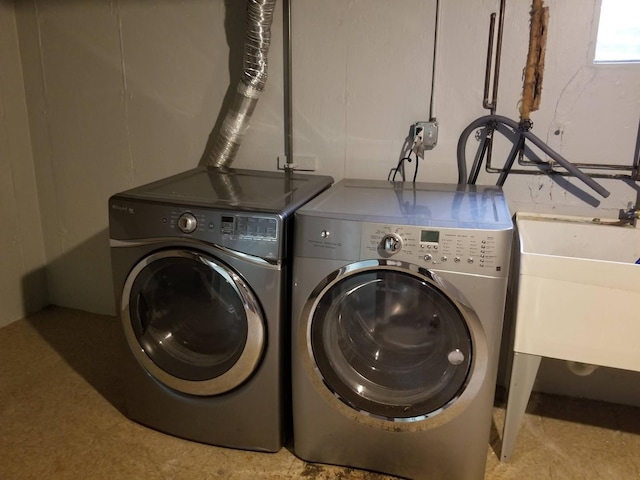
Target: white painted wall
<point>22,276</point>
<point>123,92</point>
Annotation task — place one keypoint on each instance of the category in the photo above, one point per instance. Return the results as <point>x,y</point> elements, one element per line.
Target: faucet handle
<point>631,214</point>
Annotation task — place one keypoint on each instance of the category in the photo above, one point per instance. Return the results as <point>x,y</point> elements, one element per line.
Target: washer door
<point>390,342</point>
<point>192,322</point>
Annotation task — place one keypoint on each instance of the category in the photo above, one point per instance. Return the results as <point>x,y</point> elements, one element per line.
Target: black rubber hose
<point>487,120</point>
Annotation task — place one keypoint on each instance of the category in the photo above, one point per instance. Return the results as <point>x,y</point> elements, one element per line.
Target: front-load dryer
<point>398,305</point>
<point>201,268</point>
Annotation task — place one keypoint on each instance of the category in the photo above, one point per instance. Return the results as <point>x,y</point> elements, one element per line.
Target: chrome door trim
<point>479,364</point>
<point>143,242</point>
<point>253,348</point>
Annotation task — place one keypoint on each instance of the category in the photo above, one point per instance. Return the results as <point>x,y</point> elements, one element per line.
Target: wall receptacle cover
<point>429,133</point>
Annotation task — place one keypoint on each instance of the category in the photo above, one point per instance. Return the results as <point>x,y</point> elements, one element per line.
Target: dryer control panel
<point>249,233</point>
<point>485,252</point>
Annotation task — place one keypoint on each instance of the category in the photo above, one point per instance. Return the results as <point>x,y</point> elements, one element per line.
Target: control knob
<point>391,243</point>
<point>187,222</point>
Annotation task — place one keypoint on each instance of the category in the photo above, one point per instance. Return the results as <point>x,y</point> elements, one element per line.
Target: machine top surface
<point>425,204</point>
<point>233,189</point>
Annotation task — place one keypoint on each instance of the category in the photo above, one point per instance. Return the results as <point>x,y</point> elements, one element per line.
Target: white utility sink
<point>578,299</point>
<point>579,291</point>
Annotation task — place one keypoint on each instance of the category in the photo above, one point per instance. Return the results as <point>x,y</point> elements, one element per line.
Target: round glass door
<point>390,343</point>
<point>192,322</point>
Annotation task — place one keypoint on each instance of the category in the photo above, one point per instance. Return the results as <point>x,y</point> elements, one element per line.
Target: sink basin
<point>578,291</point>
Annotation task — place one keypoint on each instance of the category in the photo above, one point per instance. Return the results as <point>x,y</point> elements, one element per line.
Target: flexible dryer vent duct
<point>254,78</point>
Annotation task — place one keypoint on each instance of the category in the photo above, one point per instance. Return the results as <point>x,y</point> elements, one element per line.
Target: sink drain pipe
<point>581,369</point>
<point>252,82</point>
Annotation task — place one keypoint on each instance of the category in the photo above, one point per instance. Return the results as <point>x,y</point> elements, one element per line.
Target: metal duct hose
<point>254,78</point>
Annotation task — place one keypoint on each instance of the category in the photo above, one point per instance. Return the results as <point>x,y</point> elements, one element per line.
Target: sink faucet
<point>630,215</point>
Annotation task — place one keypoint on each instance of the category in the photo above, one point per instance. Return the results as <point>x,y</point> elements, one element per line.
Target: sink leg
<point>523,374</point>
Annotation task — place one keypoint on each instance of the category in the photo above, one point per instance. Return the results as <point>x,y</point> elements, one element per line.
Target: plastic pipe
<point>487,122</point>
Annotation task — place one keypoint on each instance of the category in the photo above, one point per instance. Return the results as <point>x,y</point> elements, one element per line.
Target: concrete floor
<point>60,418</point>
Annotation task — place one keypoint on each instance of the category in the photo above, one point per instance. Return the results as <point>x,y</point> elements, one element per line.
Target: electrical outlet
<point>301,163</point>
<point>429,131</point>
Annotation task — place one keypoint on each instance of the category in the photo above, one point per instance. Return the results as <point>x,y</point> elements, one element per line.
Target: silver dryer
<point>201,269</point>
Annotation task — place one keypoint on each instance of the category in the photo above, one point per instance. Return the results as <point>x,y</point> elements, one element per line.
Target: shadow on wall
<point>34,291</point>
<point>235,27</point>
<point>88,343</point>
<point>80,278</point>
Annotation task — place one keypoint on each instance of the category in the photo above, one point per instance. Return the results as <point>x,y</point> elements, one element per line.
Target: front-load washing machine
<point>201,268</point>
<point>398,305</point>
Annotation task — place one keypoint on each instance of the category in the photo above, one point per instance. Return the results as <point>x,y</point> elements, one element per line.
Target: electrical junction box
<point>429,131</point>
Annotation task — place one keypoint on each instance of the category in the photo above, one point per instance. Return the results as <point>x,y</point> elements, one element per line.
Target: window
<point>618,38</point>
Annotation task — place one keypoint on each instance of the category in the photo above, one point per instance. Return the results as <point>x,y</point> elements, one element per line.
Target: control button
<point>435,247</point>
<point>470,260</point>
<point>391,243</point>
<point>325,233</point>
<point>457,259</point>
<point>187,222</point>
<point>443,259</point>
<point>427,258</point>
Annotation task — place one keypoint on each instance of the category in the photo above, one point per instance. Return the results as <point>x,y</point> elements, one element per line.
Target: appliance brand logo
<point>325,244</point>
<point>123,208</point>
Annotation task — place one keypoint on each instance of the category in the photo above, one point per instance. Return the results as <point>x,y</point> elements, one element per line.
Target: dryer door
<point>390,342</point>
<point>192,322</point>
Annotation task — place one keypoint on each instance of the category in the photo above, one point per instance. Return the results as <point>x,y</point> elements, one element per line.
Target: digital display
<point>429,236</point>
<point>257,227</point>
<point>226,225</point>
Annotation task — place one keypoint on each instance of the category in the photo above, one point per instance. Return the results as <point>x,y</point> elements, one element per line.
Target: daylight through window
<point>618,32</point>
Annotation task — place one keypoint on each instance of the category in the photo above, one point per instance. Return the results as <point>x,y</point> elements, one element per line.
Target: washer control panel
<point>464,250</point>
